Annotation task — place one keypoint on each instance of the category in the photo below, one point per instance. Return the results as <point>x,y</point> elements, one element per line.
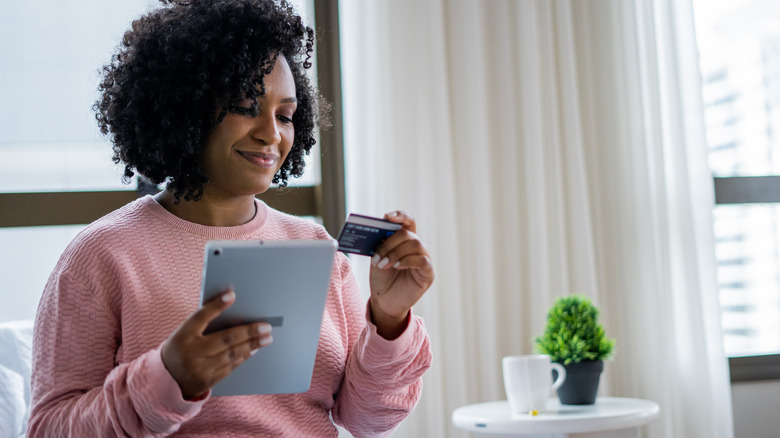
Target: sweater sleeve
<point>383,379</point>
<point>79,390</point>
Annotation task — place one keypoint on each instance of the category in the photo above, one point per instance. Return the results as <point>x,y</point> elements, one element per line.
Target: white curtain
<point>546,148</point>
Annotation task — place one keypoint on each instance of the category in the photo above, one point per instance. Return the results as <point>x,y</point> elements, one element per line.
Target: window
<point>56,172</point>
<point>739,48</point>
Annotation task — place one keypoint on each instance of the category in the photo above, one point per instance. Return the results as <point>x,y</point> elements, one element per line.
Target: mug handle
<point>561,377</point>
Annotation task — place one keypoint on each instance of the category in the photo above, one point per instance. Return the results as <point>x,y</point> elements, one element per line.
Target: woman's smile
<point>262,159</point>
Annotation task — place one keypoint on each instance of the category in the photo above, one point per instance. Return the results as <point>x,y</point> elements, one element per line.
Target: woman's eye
<point>284,119</point>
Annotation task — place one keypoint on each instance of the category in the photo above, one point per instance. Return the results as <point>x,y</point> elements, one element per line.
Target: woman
<point>211,98</point>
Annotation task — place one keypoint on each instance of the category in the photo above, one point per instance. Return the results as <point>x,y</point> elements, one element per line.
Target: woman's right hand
<point>197,361</point>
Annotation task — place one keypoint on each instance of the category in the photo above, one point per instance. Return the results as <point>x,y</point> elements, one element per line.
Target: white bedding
<point>15,357</point>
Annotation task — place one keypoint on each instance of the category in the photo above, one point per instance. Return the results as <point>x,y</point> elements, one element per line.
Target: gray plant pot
<point>582,382</point>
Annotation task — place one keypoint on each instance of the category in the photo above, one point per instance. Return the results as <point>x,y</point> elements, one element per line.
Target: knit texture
<point>128,280</point>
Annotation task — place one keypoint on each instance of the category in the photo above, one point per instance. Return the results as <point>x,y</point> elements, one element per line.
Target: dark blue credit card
<point>363,234</point>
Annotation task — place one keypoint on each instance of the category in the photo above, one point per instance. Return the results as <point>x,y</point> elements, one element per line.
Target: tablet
<point>284,283</point>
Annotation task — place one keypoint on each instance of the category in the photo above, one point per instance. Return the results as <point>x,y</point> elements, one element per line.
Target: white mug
<point>528,381</point>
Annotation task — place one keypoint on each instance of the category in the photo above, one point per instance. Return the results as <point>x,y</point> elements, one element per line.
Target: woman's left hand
<point>401,272</point>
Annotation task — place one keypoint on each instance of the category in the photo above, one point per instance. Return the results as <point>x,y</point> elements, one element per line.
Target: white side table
<point>609,417</point>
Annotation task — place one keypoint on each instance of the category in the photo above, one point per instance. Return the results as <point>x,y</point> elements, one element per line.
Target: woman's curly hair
<point>180,63</point>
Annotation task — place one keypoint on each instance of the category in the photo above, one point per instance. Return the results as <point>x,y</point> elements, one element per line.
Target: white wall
<point>27,257</point>
<point>756,409</point>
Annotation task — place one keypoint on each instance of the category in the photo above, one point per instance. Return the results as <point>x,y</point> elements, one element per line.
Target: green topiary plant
<point>573,333</point>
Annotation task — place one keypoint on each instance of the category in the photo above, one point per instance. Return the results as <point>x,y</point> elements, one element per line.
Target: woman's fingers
<point>229,359</point>
<point>416,261</point>
<point>401,244</point>
<point>394,247</point>
<point>401,217</point>
<point>234,355</point>
<point>200,319</point>
<point>196,361</point>
<point>203,364</point>
<point>218,342</point>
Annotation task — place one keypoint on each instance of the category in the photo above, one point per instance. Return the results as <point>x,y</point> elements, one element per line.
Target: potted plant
<point>575,339</point>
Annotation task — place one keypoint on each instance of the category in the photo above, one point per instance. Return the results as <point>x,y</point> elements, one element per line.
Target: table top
<point>608,413</point>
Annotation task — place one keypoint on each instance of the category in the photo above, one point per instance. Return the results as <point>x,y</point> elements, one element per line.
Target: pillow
<point>15,367</point>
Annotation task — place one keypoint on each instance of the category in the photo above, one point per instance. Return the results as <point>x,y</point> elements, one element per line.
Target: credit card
<point>363,234</point>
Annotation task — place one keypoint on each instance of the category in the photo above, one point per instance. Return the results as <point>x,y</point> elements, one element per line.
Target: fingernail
<point>374,259</point>
<point>253,352</point>
<point>383,263</point>
<point>266,341</point>
<point>393,214</point>
<point>264,329</point>
<point>397,264</point>
<point>228,296</point>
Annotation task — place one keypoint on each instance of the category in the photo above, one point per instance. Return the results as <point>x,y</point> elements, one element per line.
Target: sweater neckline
<point>211,232</point>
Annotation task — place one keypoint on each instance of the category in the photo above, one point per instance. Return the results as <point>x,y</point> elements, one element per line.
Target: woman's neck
<point>209,211</point>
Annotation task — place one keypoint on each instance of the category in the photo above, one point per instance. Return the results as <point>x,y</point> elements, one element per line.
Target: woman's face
<point>243,153</point>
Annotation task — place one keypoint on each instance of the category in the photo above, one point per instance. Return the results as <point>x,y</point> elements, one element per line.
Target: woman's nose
<point>266,129</point>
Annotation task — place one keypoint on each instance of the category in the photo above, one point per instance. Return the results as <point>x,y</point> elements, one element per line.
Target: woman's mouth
<point>260,158</point>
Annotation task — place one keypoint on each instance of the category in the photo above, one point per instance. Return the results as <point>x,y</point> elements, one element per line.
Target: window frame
<point>750,190</point>
<point>32,209</point>
<point>332,206</point>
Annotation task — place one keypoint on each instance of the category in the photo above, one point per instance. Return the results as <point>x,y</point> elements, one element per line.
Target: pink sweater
<point>129,279</point>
